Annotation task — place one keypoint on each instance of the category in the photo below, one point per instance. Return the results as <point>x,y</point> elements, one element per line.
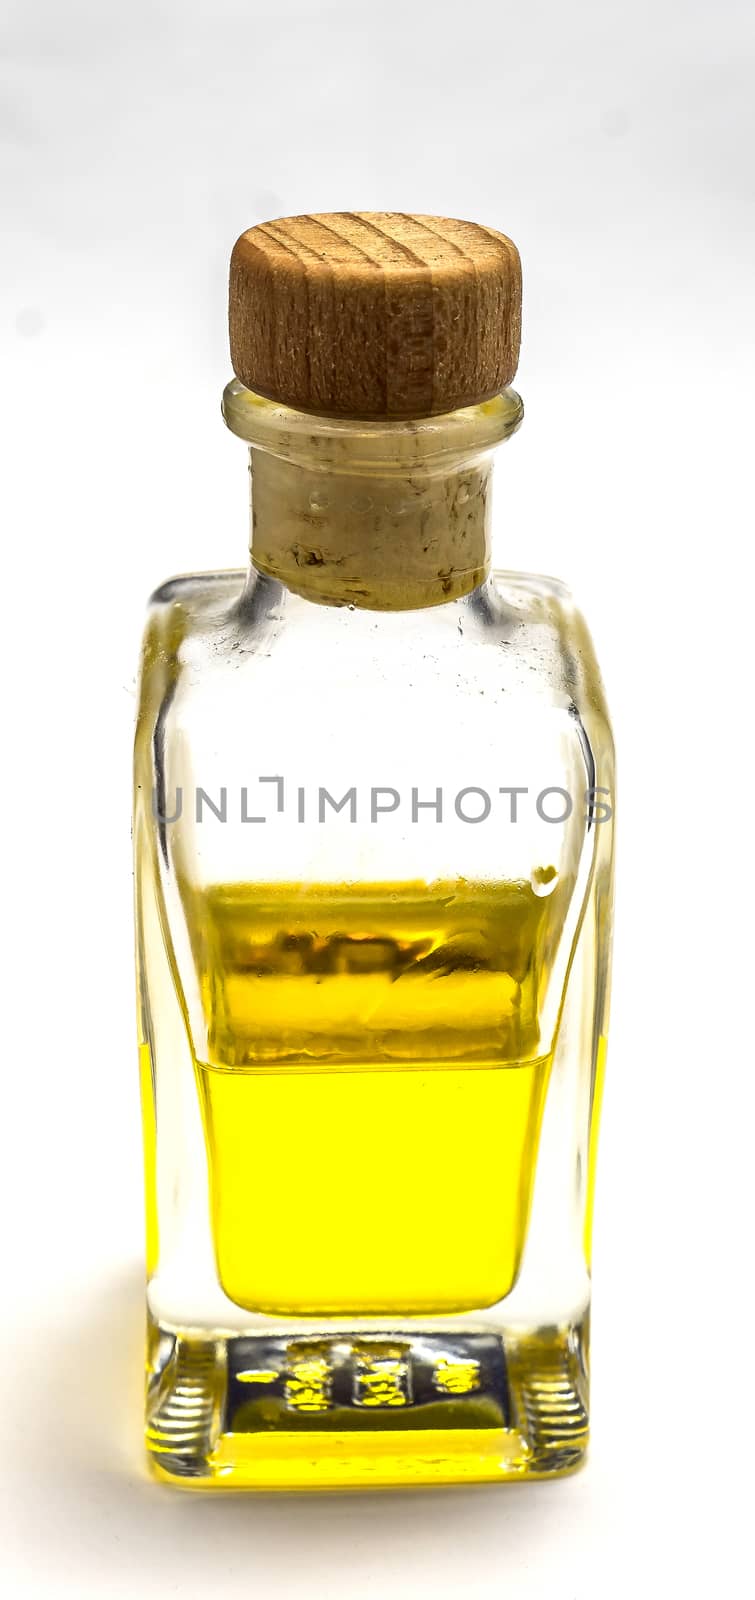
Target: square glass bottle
<point>373,845</point>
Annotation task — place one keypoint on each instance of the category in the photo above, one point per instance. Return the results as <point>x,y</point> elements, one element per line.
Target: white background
<point>614,142</point>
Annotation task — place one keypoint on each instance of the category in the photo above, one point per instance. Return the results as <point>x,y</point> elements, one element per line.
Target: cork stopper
<point>374,315</point>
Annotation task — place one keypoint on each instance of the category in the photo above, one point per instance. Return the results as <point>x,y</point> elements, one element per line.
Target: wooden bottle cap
<point>375,314</point>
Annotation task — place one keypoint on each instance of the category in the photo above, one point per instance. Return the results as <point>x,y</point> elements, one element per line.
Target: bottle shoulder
<point>201,591</point>
<point>519,640</point>
<point>551,635</point>
<point>196,590</point>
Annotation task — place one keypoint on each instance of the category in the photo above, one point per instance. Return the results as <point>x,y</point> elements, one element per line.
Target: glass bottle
<point>373,847</point>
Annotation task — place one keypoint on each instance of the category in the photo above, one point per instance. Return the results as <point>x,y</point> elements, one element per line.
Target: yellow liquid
<point>152,1232</point>
<point>372,1091</point>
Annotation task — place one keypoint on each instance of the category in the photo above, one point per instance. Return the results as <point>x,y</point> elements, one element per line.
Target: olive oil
<point>373,1064</point>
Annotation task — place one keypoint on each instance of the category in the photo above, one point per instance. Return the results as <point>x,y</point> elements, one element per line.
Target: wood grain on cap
<point>374,314</point>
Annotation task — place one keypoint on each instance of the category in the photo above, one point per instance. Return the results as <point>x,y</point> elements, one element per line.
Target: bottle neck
<point>383,516</point>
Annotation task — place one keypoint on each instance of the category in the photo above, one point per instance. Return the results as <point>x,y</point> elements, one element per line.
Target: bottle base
<point>349,1409</point>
